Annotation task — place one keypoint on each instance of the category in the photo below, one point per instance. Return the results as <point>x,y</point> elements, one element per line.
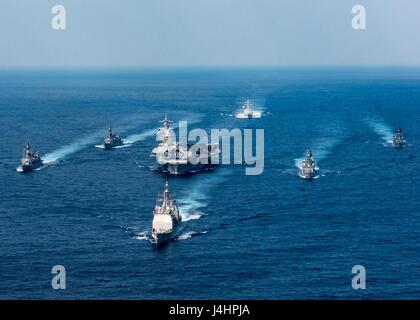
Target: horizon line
<point>209,67</point>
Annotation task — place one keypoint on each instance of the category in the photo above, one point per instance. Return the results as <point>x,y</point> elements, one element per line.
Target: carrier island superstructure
<point>176,158</point>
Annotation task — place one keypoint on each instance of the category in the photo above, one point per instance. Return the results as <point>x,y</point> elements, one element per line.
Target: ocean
<point>268,236</point>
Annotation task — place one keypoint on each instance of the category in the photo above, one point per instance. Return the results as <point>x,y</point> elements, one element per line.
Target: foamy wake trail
<point>67,150</point>
<point>190,234</point>
<point>255,115</point>
<point>320,150</point>
<point>190,206</point>
<point>125,145</point>
<point>152,132</point>
<point>144,235</point>
<point>298,163</point>
<point>149,133</point>
<point>77,146</point>
<point>139,136</point>
<point>82,143</point>
<point>381,128</point>
<point>191,216</point>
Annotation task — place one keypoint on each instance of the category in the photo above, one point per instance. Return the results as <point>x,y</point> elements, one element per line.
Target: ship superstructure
<point>308,167</point>
<point>166,218</point>
<point>398,139</point>
<point>176,158</point>
<point>30,159</point>
<point>247,110</point>
<point>112,140</point>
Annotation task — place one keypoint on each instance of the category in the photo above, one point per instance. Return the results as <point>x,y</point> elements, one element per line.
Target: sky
<point>208,33</point>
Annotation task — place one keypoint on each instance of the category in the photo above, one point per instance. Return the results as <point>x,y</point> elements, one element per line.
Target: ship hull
<point>179,162</point>
<point>177,169</point>
<point>398,145</point>
<point>28,168</point>
<point>109,146</point>
<point>162,238</point>
<point>183,169</point>
<point>307,176</point>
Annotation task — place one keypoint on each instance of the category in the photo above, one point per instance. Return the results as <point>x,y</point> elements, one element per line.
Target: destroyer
<point>308,168</point>
<point>248,112</point>
<point>175,158</point>
<point>166,218</point>
<point>30,159</point>
<point>398,139</point>
<point>112,140</point>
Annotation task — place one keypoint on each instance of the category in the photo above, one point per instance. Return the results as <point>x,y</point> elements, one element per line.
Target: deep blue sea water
<point>272,236</point>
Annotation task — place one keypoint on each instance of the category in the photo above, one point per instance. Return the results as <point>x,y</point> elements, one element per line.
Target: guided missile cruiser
<point>398,139</point>
<point>176,158</point>
<point>248,112</point>
<point>112,140</point>
<point>30,159</point>
<point>166,218</point>
<point>308,167</point>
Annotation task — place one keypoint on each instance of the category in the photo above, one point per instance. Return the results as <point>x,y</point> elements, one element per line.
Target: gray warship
<point>398,139</point>
<point>112,140</point>
<point>308,167</point>
<point>166,218</point>
<point>247,110</point>
<point>30,159</point>
<point>178,159</point>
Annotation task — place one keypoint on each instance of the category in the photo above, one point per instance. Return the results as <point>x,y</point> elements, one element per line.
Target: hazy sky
<point>208,33</point>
